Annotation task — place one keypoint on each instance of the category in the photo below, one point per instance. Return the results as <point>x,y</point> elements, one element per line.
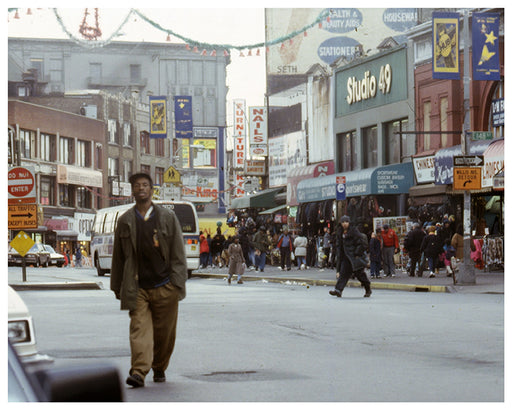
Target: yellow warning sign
<point>172,175</point>
<point>466,178</point>
<point>22,243</point>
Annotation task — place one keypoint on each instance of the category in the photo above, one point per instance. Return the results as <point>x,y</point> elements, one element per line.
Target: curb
<point>351,283</point>
<point>56,286</point>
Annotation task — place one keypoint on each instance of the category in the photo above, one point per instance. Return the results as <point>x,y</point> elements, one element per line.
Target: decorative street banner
<point>486,46</point>
<point>445,38</point>
<point>158,117</point>
<point>183,116</point>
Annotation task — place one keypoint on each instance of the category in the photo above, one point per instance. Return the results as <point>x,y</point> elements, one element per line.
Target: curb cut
<point>351,283</point>
<point>56,286</point>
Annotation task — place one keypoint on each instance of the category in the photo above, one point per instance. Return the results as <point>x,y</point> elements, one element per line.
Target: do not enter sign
<point>21,186</point>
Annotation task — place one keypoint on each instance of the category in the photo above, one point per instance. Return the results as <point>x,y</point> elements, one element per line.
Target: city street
<point>292,342</point>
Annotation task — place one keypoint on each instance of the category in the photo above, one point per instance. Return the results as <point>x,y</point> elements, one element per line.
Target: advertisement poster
<point>183,116</point>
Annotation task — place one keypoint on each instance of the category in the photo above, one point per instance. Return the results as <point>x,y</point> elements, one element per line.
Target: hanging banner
<point>258,141</point>
<point>445,38</point>
<point>240,134</point>
<point>158,117</point>
<point>183,116</point>
<point>486,42</point>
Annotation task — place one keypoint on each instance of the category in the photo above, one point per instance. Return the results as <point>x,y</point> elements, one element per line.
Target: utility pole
<point>466,275</point>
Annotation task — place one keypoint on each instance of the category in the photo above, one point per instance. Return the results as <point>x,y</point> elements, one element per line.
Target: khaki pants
<point>153,329</point>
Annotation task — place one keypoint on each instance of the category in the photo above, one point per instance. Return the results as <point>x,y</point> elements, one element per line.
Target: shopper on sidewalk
<point>390,246</point>
<point>375,250</point>
<point>300,243</point>
<point>352,258</point>
<point>412,244</point>
<point>261,243</point>
<point>285,246</point>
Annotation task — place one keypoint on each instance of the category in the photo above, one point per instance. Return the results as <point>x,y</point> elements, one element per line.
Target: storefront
<point>370,193</point>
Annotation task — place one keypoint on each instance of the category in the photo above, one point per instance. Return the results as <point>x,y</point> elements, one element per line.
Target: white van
<point>105,222</point>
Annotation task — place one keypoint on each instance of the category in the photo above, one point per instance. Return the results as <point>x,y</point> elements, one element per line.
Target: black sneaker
<point>135,380</point>
<point>335,292</point>
<point>158,376</point>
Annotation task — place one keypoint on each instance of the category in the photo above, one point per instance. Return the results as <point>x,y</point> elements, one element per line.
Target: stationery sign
<point>240,133</point>
<point>158,117</point>
<point>183,116</point>
<point>445,40</point>
<point>486,56</point>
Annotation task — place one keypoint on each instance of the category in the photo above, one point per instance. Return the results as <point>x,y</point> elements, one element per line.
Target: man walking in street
<point>261,244</point>
<point>352,258</point>
<point>148,275</point>
<point>390,246</point>
<point>412,244</point>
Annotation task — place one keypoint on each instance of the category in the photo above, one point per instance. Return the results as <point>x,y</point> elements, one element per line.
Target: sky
<point>219,25</point>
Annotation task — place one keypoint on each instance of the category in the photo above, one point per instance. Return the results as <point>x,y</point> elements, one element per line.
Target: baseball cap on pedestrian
<point>135,177</point>
<point>345,218</point>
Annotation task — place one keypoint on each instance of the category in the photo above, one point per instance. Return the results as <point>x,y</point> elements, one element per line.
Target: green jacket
<point>124,279</point>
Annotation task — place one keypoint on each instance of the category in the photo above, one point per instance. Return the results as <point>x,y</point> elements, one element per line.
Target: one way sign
<point>468,160</point>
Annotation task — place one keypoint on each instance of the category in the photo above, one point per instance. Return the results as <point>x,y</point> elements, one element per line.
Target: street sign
<point>22,216</point>
<point>468,160</point>
<point>467,178</point>
<point>481,135</point>
<point>341,191</point>
<point>172,175</point>
<point>22,243</point>
<point>21,185</point>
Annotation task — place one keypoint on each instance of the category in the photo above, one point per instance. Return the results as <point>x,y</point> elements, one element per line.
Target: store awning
<point>262,199</point>
<point>66,235</point>
<point>386,180</point>
<point>443,169</point>
<point>273,210</point>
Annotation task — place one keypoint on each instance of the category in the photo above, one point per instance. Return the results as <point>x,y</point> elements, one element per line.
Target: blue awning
<point>385,180</point>
<point>443,160</point>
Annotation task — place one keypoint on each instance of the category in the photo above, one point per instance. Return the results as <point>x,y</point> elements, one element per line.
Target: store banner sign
<point>258,141</point>
<point>445,40</point>
<point>158,117</point>
<point>486,46</point>
<point>183,116</point>
<point>240,133</point>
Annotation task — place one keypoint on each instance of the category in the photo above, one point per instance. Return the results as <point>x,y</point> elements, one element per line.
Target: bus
<point>105,222</point>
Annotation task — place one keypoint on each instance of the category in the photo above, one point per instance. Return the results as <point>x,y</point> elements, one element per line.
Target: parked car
<point>21,330</point>
<point>36,256</point>
<point>56,258</point>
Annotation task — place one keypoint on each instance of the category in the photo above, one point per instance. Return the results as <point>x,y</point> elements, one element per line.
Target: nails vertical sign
<point>258,131</point>
<point>240,133</point>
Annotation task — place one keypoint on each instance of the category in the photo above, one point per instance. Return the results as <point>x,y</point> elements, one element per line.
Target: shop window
<point>113,167</point>
<point>144,142</point>
<point>28,145</point>
<point>66,150</point>
<point>46,193</point>
<point>159,176</point>
<point>47,145</point>
<point>370,138</point>
<point>426,125</point>
<point>397,143</point>
<point>347,153</point>
<point>83,154</point>
<point>127,134</point>
<point>159,147</point>
<point>127,170</point>
<point>66,195</point>
<point>113,132</point>
<point>83,198</point>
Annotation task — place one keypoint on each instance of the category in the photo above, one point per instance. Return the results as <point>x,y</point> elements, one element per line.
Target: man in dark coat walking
<point>352,258</point>
<point>412,245</point>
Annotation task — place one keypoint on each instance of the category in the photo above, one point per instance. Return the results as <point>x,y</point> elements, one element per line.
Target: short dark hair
<point>135,177</point>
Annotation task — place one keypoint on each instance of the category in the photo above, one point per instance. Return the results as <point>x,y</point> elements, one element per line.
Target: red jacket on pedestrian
<point>390,238</point>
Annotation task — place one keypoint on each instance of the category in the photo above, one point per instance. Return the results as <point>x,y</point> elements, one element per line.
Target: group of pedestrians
<point>434,246</point>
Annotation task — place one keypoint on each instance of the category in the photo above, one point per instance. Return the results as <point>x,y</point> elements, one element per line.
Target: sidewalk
<point>486,282</point>
<point>86,278</point>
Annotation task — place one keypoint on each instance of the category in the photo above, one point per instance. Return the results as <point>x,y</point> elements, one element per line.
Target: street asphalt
<point>85,278</point>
